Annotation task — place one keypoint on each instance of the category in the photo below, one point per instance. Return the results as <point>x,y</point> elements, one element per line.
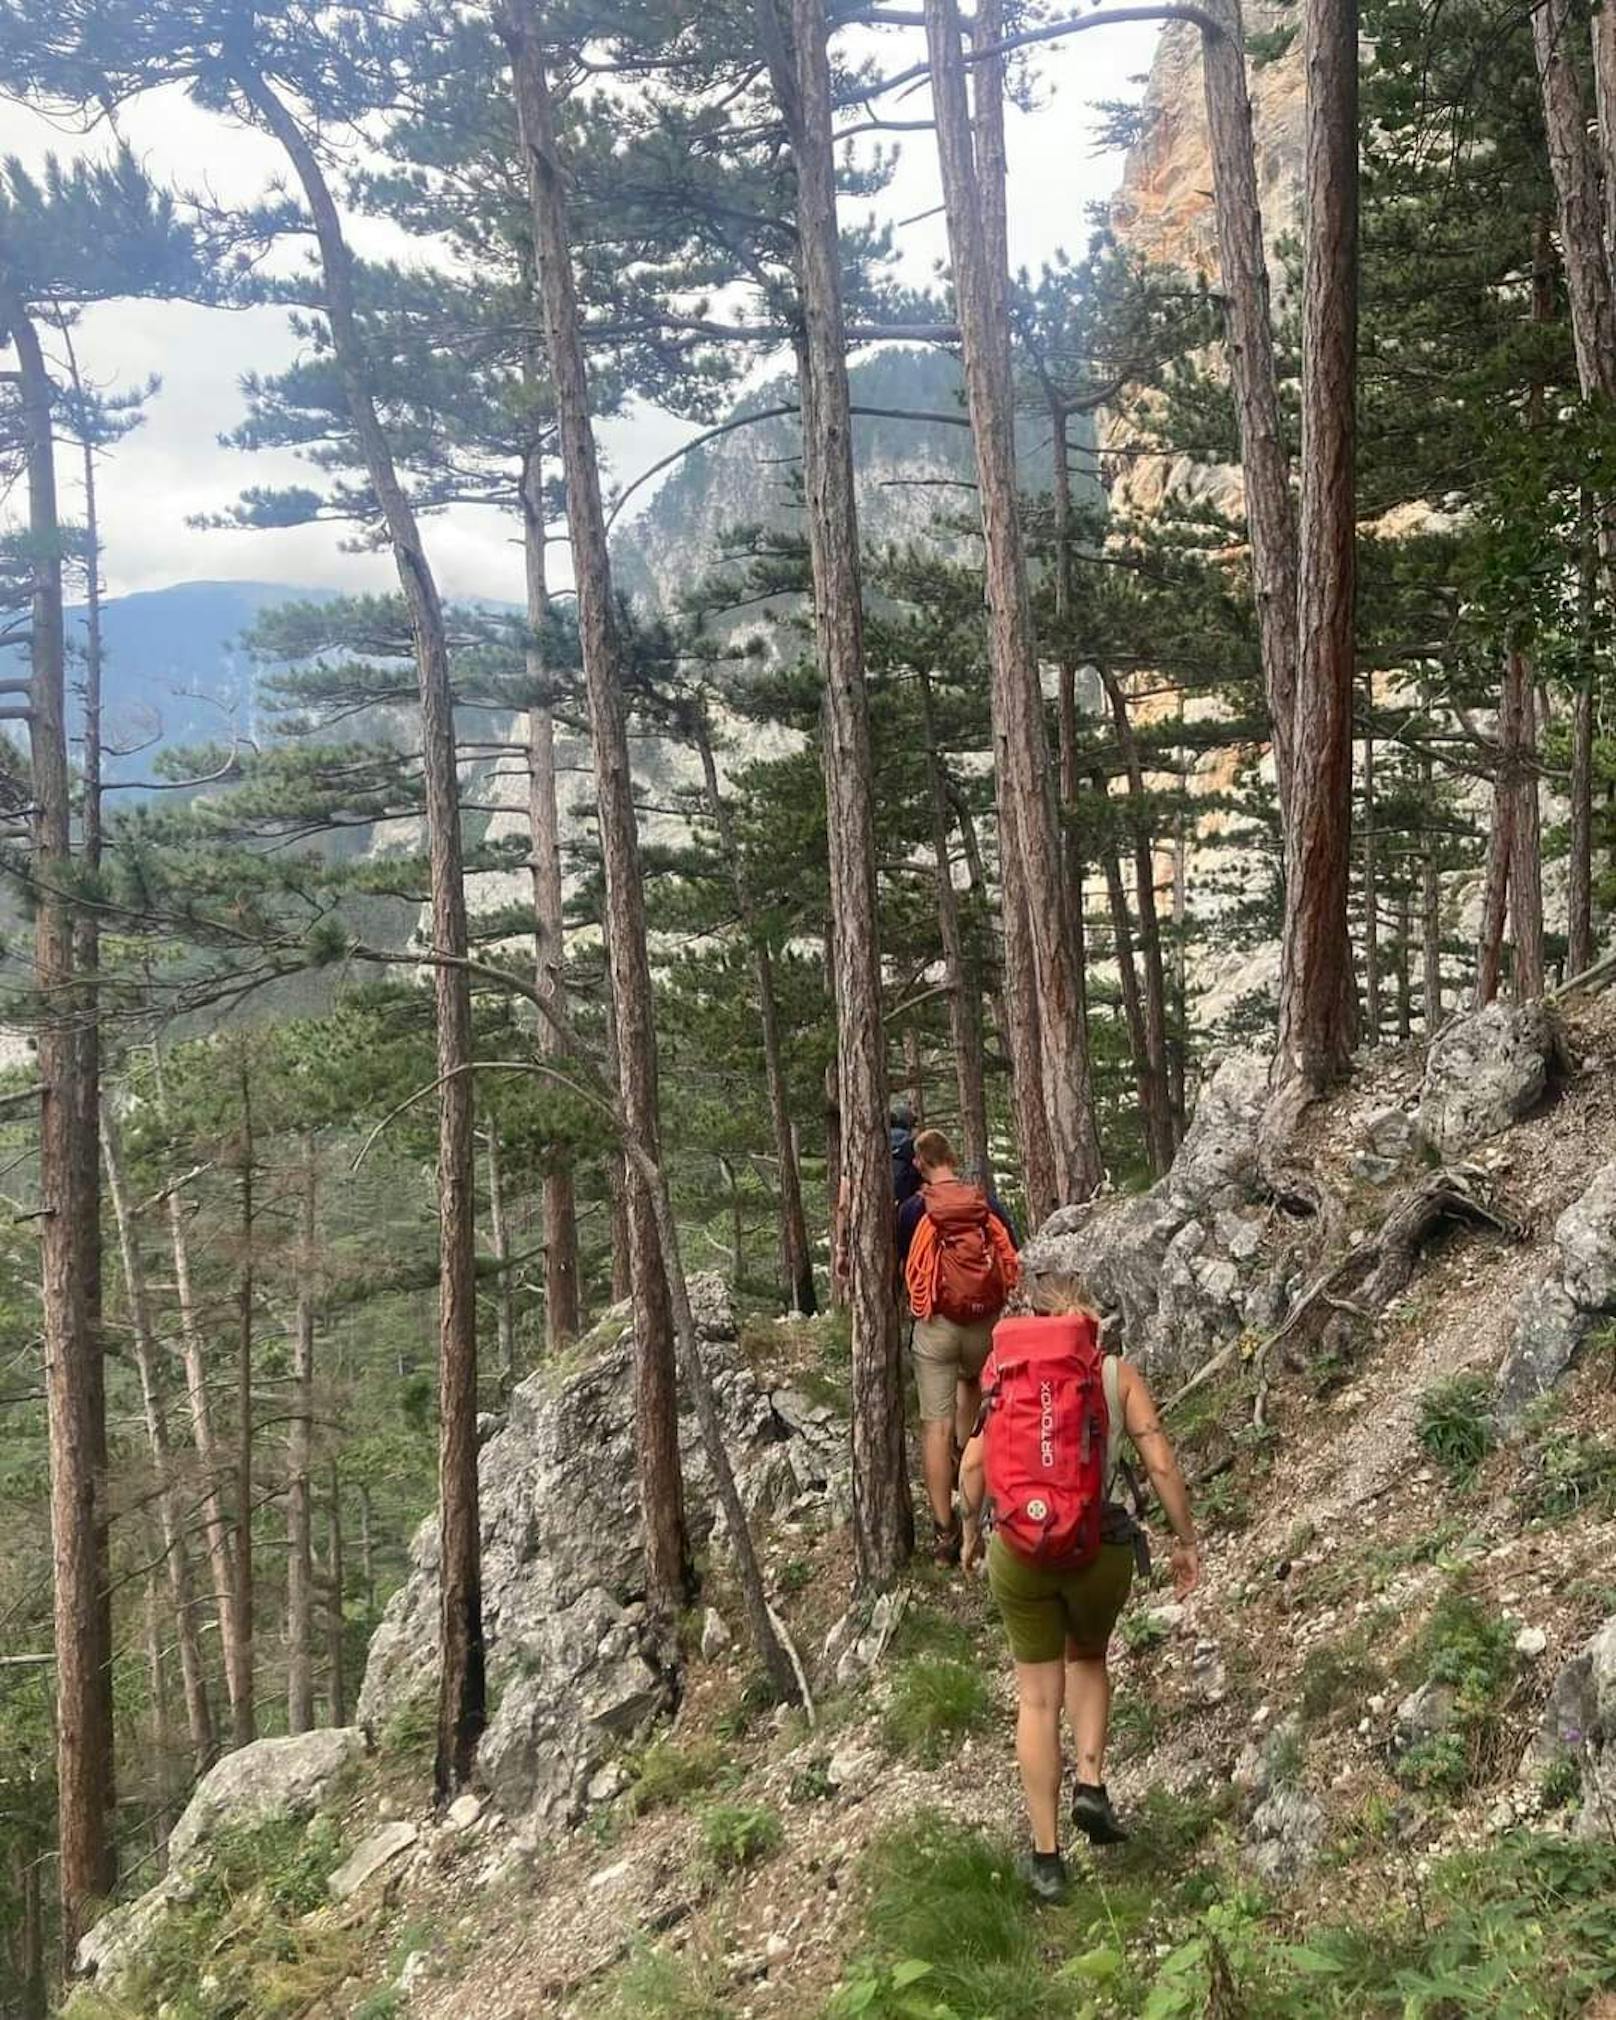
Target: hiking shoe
<point>946,1543</point>
<point>1045,1876</point>
<point>1094,1817</point>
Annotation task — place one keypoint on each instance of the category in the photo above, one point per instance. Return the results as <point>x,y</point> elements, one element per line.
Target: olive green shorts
<point>947,1353</point>
<point>1049,1615</point>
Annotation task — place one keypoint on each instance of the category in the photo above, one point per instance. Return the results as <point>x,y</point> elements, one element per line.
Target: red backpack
<point>969,1284</point>
<point>1047,1437</point>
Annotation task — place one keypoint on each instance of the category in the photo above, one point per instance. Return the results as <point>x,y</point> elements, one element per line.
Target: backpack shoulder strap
<point>1111,1377</point>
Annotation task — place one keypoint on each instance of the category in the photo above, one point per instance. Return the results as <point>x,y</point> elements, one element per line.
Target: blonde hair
<point>1054,1294</point>
<point>933,1149</point>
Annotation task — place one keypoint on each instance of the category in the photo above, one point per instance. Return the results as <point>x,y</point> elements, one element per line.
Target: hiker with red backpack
<point>957,1251</point>
<point>1039,1473</point>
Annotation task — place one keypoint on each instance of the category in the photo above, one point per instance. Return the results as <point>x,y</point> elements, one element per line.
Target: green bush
<point>1560,1784</point>
<point>666,1773</point>
<point>935,1701</point>
<point>1567,1474</point>
<point>1472,1651</point>
<point>1456,1426</point>
<point>734,1835</point>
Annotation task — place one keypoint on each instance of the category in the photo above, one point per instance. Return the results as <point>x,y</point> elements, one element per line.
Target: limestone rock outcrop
<point>574,1668</point>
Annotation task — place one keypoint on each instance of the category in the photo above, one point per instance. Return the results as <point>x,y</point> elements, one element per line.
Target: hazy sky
<point>174,467</point>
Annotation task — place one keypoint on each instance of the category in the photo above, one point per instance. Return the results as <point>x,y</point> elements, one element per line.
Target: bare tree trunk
<point>1575,169</point>
<point>1164,1137</point>
<point>1405,991</point>
<point>836,1191</point>
<point>793,43</point>
<point>563,1307</point>
<point>72,1382</point>
<point>1500,854</point>
<point>462,1700</point>
<point>162,1732</point>
<point>1243,276</point>
<point>1024,1050</point>
<point>1128,982</point>
<point>367,1552</point>
<point>799,1262</point>
<point>1371,879</point>
<point>171,1516</point>
<point>27,1858</point>
<point>1179,1043</point>
<point>86,964</point>
<point>500,1239</point>
<point>1029,824</point>
<point>1579,892</point>
<point>1317,998</point>
<point>336,1582</point>
<point>964,984</point>
<point>209,1459</point>
<point>1603,28</point>
<point>1526,841</point>
<point>616,1168</point>
<point>299,1467</point>
<point>656,1399</point>
<point>244,1715</point>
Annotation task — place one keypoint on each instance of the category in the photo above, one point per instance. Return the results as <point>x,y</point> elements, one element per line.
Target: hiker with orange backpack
<point>1040,1473</point>
<point>957,1251</point>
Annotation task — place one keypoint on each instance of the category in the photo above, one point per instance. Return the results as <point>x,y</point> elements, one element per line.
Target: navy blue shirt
<point>910,1211</point>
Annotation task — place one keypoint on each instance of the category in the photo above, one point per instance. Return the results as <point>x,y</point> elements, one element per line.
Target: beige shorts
<point>946,1353</point>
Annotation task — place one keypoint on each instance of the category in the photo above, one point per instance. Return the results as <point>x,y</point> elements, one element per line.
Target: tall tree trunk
<point>1430,898</point>
<point>336,1584</point>
<point>367,1552</point>
<point>1580,867</point>
<point>1164,1135</point>
<point>617,1168</point>
<point>1028,820</point>
<point>300,1465</point>
<point>1317,997</point>
<point>656,1397</point>
<point>243,1711</point>
<point>27,1859</point>
<point>1066,704</point>
<point>462,1698</point>
<point>563,1306</point>
<point>1603,26</point>
<point>1243,278</point>
<point>1133,1013</point>
<point>1500,855</point>
<point>914,1075</point>
<point>1405,989</point>
<point>171,1514</point>
<point>237,1671</point>
<point>1371,877</point>
<point>1526,840</point>
<point>964,983</point>
<point>86,965</point>
<point>798,1258</point>
<point>72,1382</point>
<point>162,1761</point>
<point>500,1240</point>
<point>1575,169</point>
<point>1178,1045</point>
<point>793,44</point>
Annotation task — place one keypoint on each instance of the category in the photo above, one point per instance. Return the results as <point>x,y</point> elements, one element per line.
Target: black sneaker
<point>1094,1817</point>
<point>1045,1876</point>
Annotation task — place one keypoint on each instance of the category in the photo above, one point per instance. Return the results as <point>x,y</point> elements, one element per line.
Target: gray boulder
<point>574,1666</point>
<point>1556,1314</point>
<point>1579,1720</point>
<point>1173,1265</point>
<point>1585,1237</point>
<point>1485,1072</point>
<point>1284,1836</point>
<point>1549,1330</point>
<point>272,1778</point>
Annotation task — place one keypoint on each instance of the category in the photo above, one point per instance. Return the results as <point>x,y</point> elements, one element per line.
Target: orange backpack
<point>961,1272</point>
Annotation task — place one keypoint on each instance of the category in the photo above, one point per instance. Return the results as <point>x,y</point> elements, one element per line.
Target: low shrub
<point>1456,1426</point>
<point>734,1835</point>
<point>666,1773</point>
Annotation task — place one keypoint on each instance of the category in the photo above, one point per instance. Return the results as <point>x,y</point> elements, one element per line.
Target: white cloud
<point>174,467</point>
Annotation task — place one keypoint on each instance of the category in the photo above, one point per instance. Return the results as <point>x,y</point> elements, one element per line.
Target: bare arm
<point>973,1491</point>
<point>1142,1422</point>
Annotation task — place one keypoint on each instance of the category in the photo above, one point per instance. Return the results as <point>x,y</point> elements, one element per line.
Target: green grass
<point>935,1701</point>
<point>1456,1427</point>
<point>1336,1677</point>
<point>657,1984</point>
<point>668,1773</point>
<point>736,1835</point>
<point>1525,1930</point>
<point>1568,1474</point>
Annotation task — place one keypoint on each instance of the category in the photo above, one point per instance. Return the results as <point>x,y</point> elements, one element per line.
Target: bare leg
<point>967,1406</point>
<point>1039,1686</point>
<point>937,1458</point>
<point>1088,1712</point>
